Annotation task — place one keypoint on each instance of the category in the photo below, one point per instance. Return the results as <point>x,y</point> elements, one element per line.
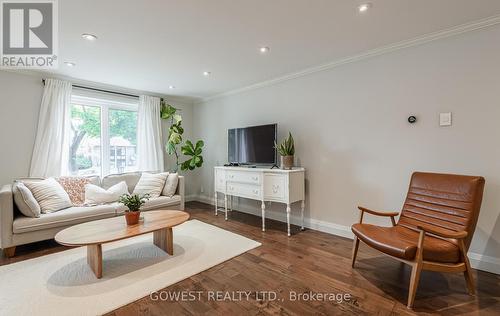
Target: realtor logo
<point>29,34</point>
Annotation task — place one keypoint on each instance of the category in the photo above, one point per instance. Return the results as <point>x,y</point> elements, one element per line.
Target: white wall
<point>20,97</point>
<point>352,135</point>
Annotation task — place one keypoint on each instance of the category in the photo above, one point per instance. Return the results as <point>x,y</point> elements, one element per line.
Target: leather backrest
<point>443,200</point>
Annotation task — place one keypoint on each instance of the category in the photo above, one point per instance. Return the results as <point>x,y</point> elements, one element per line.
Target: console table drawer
<point>244,190</point>
<point>274,186</point>
<point>243,177</point>
<point>220,180</point>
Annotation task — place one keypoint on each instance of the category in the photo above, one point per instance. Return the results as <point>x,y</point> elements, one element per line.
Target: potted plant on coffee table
<point>133,204</point>
<point>286,150</point>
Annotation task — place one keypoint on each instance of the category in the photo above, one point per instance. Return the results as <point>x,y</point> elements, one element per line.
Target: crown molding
<point>453,31</point>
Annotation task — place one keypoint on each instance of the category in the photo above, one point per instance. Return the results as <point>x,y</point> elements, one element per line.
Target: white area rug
<point>63,284</point>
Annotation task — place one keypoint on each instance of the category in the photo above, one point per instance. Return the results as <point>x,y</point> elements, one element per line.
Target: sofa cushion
<point>49,194</point>
<point>70,216</point>
<point>75,187</point>
<point>151,184</point>
<point>95,195</point>
<point>131,178</point>
<point>25,201</point>
<point>153,204</point>
<point>171,184</point>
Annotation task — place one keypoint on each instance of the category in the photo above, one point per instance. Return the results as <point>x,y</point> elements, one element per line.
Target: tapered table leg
<point>216,206</point>
<point>263,208</point>
<point>94,259</point>
<point>288,210</point>
<point>164,239</point>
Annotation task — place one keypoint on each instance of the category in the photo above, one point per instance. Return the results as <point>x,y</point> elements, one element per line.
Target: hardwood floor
<point>308,261</point>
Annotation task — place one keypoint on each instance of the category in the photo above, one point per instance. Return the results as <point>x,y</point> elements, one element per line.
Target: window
<point>103,135</point>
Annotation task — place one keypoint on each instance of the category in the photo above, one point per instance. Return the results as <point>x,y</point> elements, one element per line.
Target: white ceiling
<point>149,45</point>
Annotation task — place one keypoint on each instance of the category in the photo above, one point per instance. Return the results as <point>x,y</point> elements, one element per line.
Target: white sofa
<point>17,229</point>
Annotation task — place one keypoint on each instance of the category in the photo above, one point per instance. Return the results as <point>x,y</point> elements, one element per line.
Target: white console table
<point>262,184</point>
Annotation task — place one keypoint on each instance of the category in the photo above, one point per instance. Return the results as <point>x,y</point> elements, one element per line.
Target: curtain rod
<point>101,90</point>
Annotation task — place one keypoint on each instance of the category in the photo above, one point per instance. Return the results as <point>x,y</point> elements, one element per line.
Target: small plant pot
<point>132,217</point>
<point>286,162</point>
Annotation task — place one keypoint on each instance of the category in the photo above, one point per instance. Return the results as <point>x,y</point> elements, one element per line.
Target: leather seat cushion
<point>401,242</point>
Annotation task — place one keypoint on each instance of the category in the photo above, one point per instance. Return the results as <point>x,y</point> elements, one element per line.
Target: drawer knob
<point>255,191</point>
<point>255,178</point>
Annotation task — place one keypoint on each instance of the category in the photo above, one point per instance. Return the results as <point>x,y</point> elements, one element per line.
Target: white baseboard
<point>478,261</point>
<point>484,263</point>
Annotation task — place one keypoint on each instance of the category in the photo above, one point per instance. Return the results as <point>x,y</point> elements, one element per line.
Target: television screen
<point>252,145</point>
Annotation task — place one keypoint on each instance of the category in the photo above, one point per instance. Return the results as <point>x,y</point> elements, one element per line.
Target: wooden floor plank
<point>306,261</point>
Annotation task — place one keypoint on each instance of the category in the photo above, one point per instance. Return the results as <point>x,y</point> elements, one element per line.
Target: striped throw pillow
<point>151,184</point>
<point>50,195</point>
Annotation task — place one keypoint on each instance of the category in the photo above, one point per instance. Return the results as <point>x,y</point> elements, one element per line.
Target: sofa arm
<point>181,191</point>
<point>6,216</point>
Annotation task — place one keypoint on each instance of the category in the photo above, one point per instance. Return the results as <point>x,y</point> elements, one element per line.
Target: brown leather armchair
<point>434,230</point>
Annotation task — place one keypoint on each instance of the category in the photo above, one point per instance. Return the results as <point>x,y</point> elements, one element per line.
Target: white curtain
<point>51,150</point>
<point>149,142</point>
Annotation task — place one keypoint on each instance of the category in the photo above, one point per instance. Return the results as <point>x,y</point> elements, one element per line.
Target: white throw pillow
<point>50,195</point>
<point>171,184</point>
<point>151,184</point>
<point>95,195</point>
<point>25,201</point>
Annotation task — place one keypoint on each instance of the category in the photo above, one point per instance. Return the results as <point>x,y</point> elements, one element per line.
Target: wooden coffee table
<point>94,234</point>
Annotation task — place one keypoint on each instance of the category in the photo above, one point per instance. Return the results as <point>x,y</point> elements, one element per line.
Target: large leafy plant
<point>175,131</point>
<point>287,147</point>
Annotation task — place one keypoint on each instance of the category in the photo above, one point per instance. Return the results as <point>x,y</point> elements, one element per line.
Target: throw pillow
<point>50,195</point>
<point>95,195</point>
<point>151,184</point>
<point>75,187</point>
<point>171,184</point>
<point>25,201</point>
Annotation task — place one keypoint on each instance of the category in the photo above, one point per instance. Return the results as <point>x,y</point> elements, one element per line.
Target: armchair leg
<point>414,280</point>
<point>9,252</point>
<point>469,279</point>
<point>470,282</point>
<point>355,247</point>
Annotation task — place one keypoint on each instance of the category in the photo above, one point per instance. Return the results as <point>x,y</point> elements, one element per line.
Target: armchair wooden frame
<point>418,264</point>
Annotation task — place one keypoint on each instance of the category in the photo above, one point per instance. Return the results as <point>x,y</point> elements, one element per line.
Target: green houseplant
<point>286,150</point>
<point>133,204</point>
<point>187,148</point>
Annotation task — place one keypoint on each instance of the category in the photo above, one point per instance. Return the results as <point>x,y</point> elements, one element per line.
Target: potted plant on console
<point>133,204</point>
<point>286,150</point>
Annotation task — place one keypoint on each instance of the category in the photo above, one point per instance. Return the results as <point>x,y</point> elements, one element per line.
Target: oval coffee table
<point>94,234</point>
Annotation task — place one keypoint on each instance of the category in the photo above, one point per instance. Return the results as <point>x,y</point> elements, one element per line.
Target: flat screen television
<point>252,145</point>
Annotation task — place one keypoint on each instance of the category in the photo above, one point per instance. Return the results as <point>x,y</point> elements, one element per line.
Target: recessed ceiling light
<point>364,7</point>
<point>89,37</point>
<point>207,73</point>
<point>69,64</point>
<point>264,49</point>
<point>171,87</point>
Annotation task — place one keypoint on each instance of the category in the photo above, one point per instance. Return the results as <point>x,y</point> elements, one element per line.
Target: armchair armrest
<point>377,213</point>
<point>445,233</point>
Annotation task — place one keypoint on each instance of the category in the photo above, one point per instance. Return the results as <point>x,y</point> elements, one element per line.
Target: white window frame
<point>105,102</point>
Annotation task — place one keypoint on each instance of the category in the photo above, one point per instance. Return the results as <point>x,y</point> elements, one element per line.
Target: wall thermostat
<point>412,119</point>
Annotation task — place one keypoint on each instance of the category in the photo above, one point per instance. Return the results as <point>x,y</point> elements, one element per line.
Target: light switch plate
<point>445,119</point>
